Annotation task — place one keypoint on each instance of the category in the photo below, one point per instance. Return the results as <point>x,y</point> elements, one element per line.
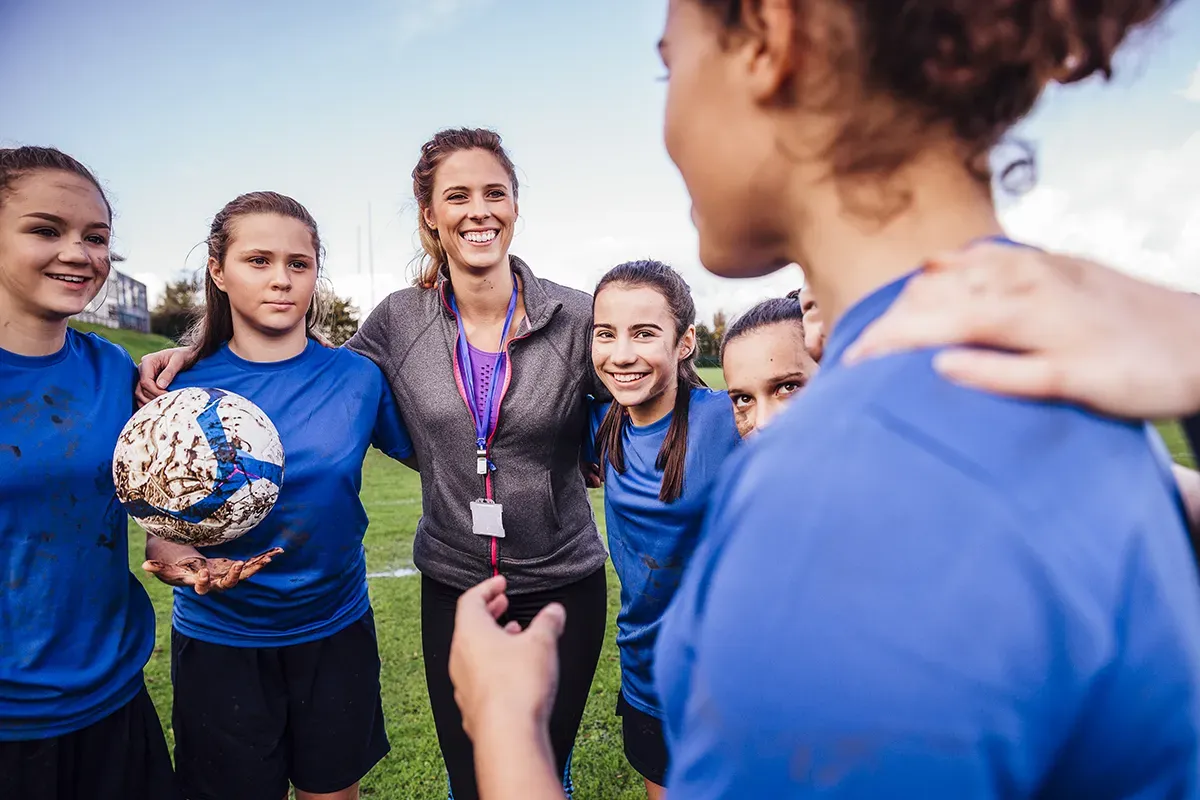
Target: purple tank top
<point>489,367</point>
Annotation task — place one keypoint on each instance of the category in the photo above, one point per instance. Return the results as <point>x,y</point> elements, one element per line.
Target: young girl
<point>489,364</point>
<point>765,361</point>
<point>76,628</point>
<point>1011,610</point>
<point>277,681</point>
<point>661,440</point>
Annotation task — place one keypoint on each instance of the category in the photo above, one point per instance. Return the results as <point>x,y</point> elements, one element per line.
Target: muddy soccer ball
<point>198,466</point>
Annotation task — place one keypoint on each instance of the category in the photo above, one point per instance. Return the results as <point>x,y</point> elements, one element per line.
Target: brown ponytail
<point>672,456</point>
<point>444,144</point>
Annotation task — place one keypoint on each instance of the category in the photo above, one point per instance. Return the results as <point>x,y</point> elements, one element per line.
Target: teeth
<point>69,278</point>
<point>479,237</point>
<point>629,378</point>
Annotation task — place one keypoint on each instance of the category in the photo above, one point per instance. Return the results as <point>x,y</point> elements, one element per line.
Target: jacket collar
<point>539,305</point>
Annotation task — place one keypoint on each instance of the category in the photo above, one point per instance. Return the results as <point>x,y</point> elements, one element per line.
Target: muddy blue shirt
<point>650,541</point>
<point>329,406</point>
<point>76,627</point>
<point>910,589</point>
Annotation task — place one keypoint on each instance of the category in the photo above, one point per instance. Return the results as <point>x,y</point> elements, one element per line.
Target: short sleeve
<point>390,434</point>
<point>374,334</point>
<point>871,626</point>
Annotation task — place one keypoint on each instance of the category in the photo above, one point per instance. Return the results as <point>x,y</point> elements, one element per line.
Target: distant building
<point>120,304</point>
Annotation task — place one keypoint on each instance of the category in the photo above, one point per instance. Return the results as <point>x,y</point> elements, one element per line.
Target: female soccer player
<point>998,618</point>
<point>76,722</point>
<point>491,368</point>
<point>661,441</point>
<point>277,679</point>
<point>765,361</point>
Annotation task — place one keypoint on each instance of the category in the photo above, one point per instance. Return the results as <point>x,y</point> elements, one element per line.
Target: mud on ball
<point>198,466</point>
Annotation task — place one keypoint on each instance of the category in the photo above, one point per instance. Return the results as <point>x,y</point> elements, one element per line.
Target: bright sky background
<point>179,107</point>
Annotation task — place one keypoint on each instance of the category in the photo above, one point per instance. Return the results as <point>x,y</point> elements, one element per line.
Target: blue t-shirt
<point>906,589</point>
<point>76,627</point>
<point>329,405</point>
<point>650,541</point>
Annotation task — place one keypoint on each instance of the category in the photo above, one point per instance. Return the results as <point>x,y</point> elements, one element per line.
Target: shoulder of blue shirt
<point>95,346</point>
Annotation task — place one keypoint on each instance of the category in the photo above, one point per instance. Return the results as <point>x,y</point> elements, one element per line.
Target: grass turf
<point>391,494</point>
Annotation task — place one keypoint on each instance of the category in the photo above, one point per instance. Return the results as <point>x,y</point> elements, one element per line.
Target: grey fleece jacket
<point>551,538</point>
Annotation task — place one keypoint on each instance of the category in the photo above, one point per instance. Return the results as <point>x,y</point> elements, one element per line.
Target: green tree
<point>176,309</point>
<point>342,320</point>
<point>718,327</point>
<point>706,345</point>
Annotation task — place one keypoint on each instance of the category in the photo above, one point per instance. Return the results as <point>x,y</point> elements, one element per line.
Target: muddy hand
<point>209,574</point>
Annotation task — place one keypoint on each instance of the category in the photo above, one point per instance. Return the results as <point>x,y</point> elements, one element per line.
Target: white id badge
<point>487,518</point>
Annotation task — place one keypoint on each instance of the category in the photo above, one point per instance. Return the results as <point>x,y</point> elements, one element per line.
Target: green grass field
<point>391,494</point>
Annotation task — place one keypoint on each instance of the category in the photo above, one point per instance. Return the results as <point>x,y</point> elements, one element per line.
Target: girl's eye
<point>497,194</point>
<point>457,197</point>
<point>299,265</point>
<point>258,261</point>
<point>603,335</point>
<point>47,232</point>
<point>741,401</point>
<point>98,240</point>
<point>643,335</point>
<point>784,389</point>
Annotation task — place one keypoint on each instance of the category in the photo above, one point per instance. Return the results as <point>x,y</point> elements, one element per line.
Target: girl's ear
<point>217,273</point>
<point>427,215</point>
<point>687,343</point>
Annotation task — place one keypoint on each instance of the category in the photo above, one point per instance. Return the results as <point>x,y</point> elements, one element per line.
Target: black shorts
<point>250,720</point>
<point>122,757</point>
<point>645,744</point>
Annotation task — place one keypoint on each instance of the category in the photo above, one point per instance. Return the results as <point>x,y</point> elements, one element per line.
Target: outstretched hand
<point>209,574</point>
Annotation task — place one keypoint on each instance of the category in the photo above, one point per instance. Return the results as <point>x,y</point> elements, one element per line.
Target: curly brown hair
<point>973,68</point>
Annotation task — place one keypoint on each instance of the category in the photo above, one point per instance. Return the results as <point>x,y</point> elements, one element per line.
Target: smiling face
<point>764,369</point>
<point>636,351</point>
<point>269,273</point>
<point>473,209</point>
<point>54,235</point>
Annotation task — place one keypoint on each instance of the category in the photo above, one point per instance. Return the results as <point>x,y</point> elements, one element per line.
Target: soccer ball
<point>198,466</point>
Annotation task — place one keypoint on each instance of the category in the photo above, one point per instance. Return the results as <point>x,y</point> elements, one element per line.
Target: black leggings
<point>586,602</point>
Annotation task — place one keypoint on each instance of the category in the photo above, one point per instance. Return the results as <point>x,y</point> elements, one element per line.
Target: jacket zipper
<point>462,391</point>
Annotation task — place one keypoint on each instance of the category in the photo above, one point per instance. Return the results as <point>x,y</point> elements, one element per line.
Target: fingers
<point>548,624</point>
<point>259,561</point>
<point>512,627</point>
<point>230,578</point>
<point>497,606</point>
<point>484,593</point>
<point>202,583</point>
<point>174,363</point>
<point>1032,376</point>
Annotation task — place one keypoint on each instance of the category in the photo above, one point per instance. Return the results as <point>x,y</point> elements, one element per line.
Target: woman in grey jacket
<point>491,368</point>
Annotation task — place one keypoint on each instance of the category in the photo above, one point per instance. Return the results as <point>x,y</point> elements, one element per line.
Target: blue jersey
<point>329,405</point>
<point>910,589</point>
<point>650,541</point>
<point>76,627</point>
